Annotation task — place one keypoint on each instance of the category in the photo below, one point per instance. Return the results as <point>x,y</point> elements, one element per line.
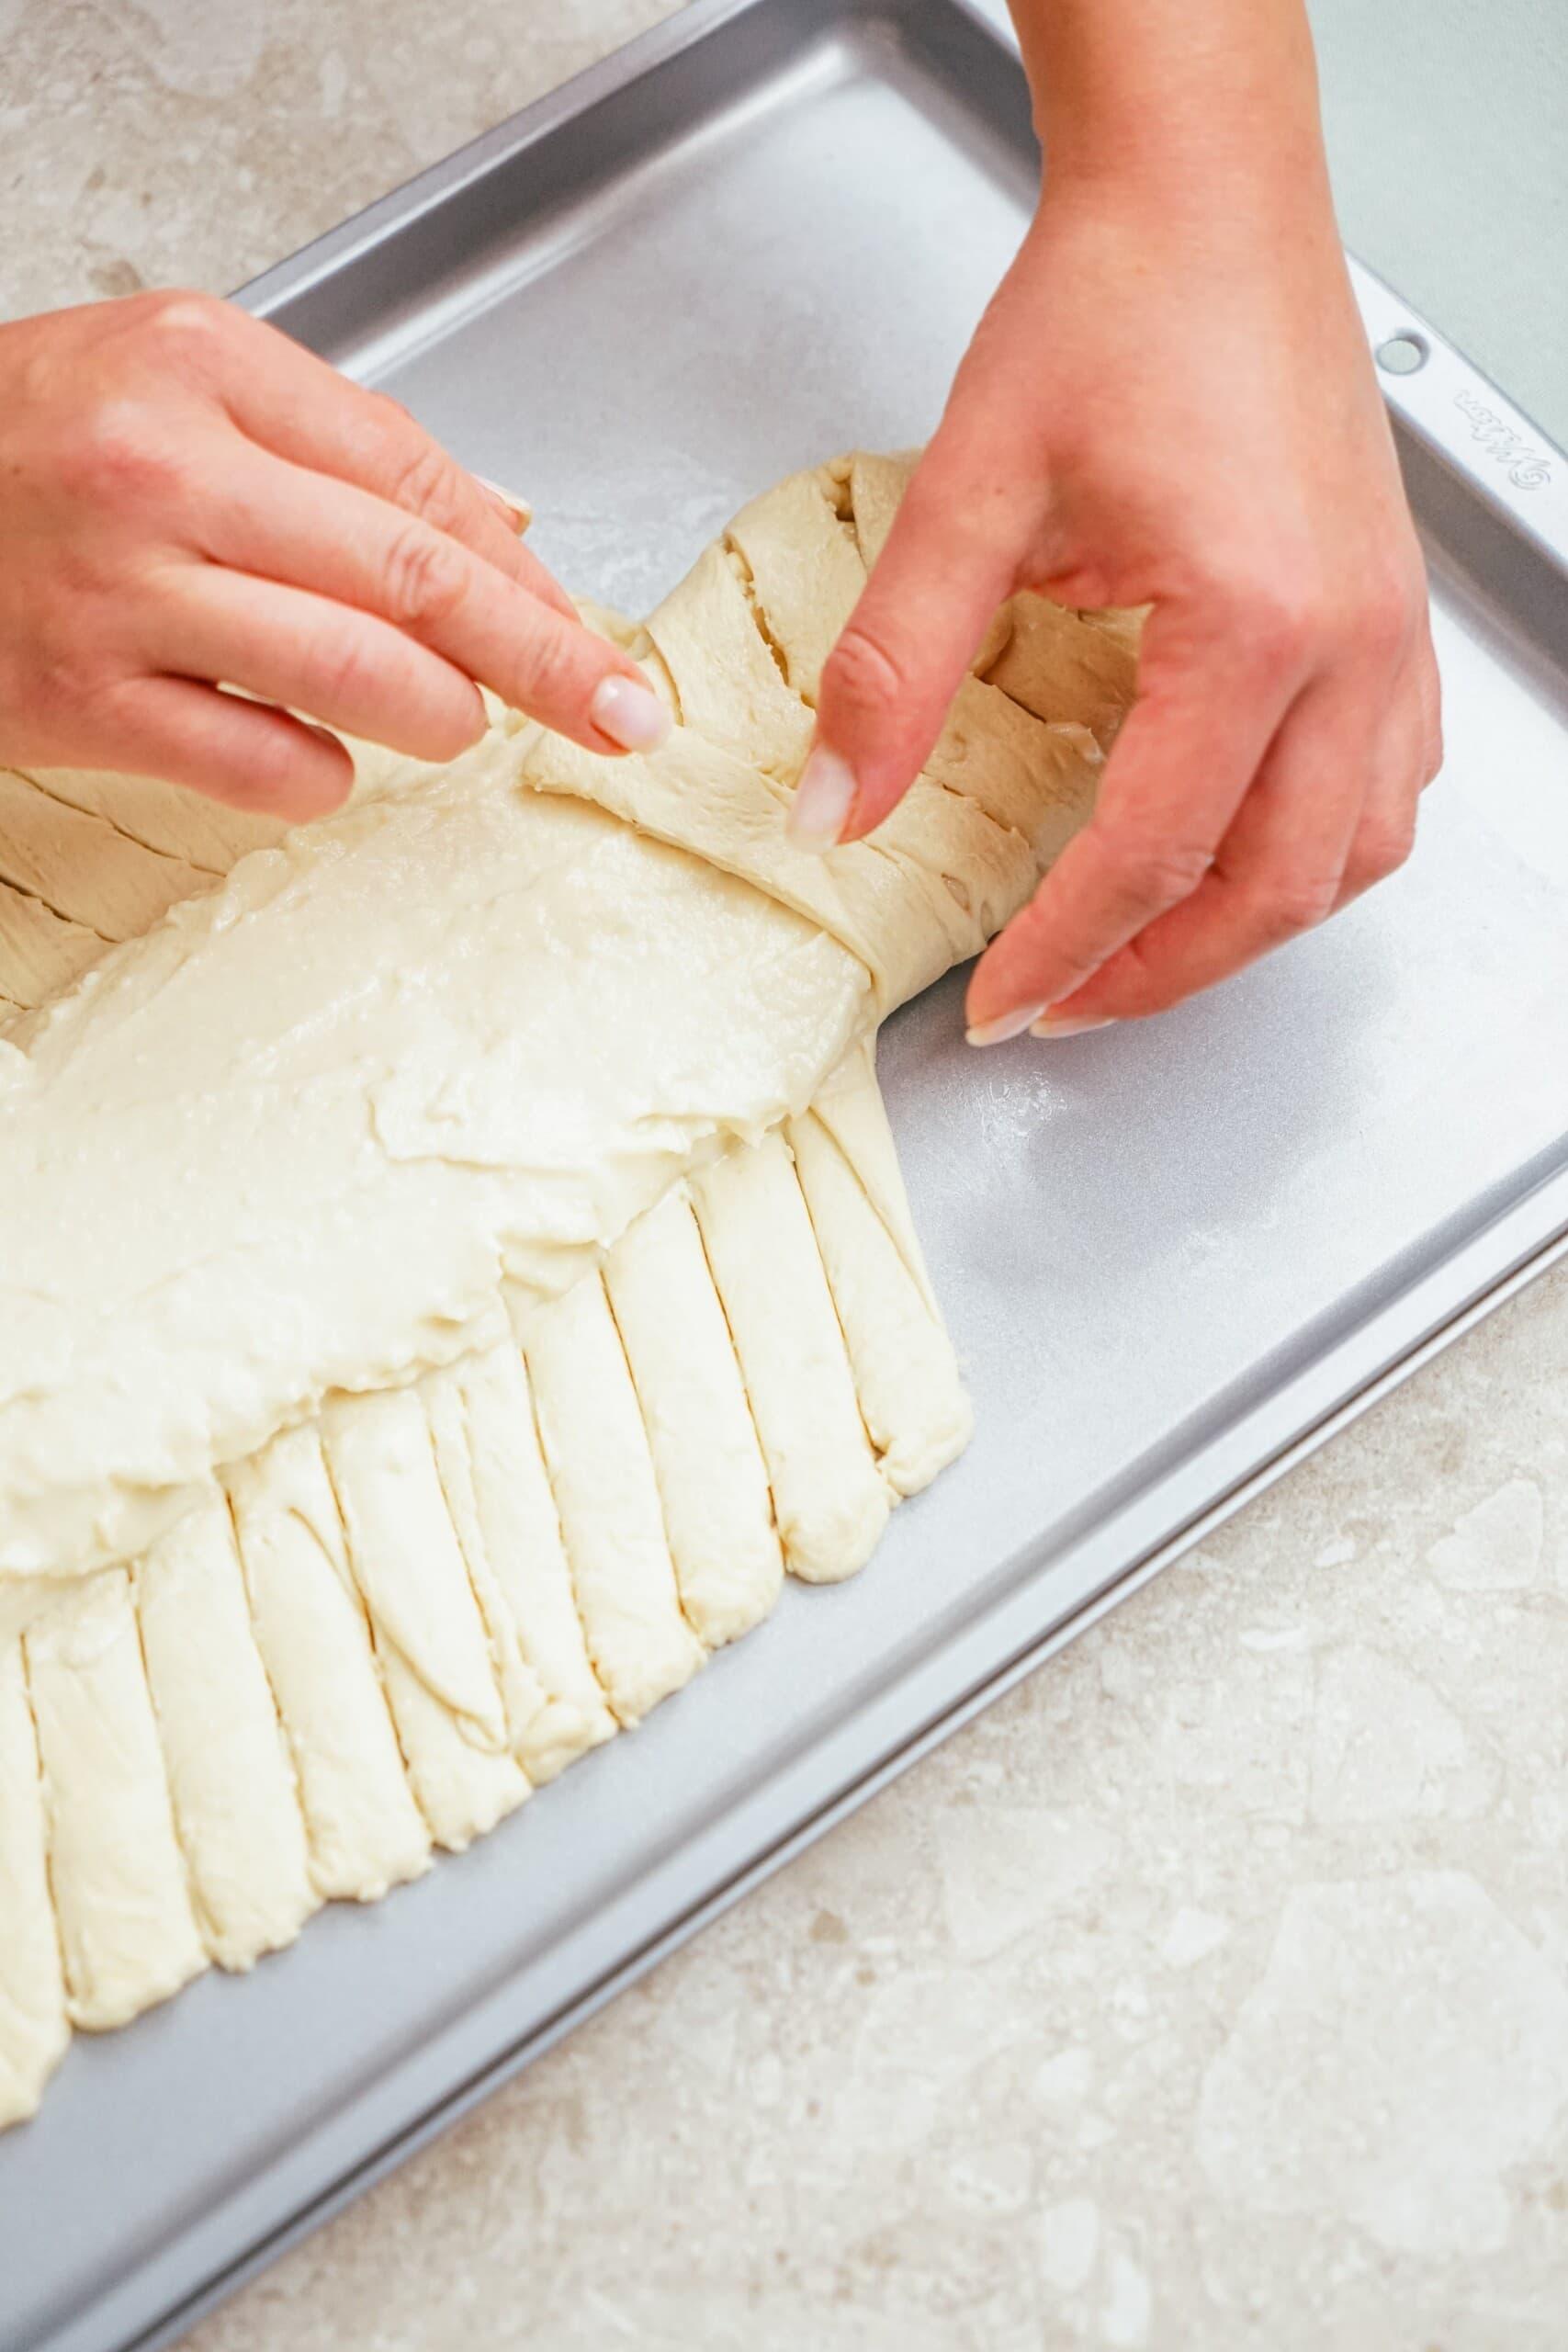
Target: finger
<point>1278,873</point>
<point>950,560</point>
<point>1212,691</point>
<point>277,521</point>
<point>313,654</point>
<point>242,752</point>
<point>294,403</point>
<point>1410,755</point>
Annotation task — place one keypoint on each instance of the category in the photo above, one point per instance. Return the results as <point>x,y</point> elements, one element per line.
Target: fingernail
<point>822,801</point>
<point>1070,1024</point>
<point>516,512</point>
<point>629,714</point>
<point>1005,1025</point>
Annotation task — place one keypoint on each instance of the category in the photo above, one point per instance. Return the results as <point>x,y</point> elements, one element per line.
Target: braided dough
<point>452,1259</point>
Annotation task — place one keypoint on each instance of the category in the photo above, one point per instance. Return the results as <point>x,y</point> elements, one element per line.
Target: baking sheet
<point>1174,1257</point>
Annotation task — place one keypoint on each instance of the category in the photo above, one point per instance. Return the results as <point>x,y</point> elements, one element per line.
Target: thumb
<point>888,683</point>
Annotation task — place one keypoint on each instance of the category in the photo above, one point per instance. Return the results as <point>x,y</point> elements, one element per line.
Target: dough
<point>445,1335</point>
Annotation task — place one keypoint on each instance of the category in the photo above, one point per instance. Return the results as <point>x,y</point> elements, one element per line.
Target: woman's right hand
<point>189,500</point>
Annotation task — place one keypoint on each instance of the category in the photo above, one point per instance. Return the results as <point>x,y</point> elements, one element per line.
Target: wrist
<point>1195,109</point>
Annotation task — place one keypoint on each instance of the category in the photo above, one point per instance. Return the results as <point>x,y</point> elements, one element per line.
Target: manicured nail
<point>1069,1025</point>
<point>629,714</point>
<point>1005,1025</point>
<point>515,513</point>
<point>822,801</point>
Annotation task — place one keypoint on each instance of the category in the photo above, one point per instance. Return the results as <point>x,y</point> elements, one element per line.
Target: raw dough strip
<point>602,1473</point>
<point>712,1482</point>
<point>829,1500</point>
<point>728,686</point>
<point>33,2029</point>
<point>905,1374</point>
<point>235,1806</point>
<point>430,1639</point>
<point>523,1697</point>
<point>804,569</point>
<point>365,1831</point>
<point>516,1522</point>
<point>117,1875</point>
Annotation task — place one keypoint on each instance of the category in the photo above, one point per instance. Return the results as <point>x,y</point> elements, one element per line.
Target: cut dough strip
<point>600,1470</point>
<point>430,1639</point>
<point>33,2027</point>
<point>831,1504</point>
<point>708,1466</point>
<point>516,1520</point>
<point>231,1781</point>
<point>122,1903</point>
<point>364,1829</point>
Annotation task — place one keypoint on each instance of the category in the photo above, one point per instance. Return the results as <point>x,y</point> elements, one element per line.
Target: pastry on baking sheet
<point>453,1259</point>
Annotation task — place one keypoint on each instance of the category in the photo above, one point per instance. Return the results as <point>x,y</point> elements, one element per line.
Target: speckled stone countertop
<point>1210,1992</point>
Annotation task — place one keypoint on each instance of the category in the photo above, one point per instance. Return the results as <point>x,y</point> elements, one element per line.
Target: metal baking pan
<point>1175,1257</point>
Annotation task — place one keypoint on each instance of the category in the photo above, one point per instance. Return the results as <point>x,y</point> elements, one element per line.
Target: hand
<point>1172,404</point>
<point>188,497</point>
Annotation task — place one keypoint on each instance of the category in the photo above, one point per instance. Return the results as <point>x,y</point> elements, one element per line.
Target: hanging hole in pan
<point>1402,353</point>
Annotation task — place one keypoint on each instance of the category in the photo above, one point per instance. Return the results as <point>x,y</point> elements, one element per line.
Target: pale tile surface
<point>1211,1991</point>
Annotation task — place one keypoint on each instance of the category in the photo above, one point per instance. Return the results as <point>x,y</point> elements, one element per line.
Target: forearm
<point>1182,102</point>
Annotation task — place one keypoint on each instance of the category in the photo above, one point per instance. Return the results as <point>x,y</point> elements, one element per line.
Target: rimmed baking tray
<point>1176,1258</point>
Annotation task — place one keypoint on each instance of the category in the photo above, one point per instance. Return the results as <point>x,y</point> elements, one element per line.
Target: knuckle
<point>1296,902</point>
<point>59,685</point>
<point>345,674</point>
<point>861,674</point>
<point>1382,845</point>
<point>184,328</point>
<point>118,454</point>
<point>423,479</point>
<point>1379,625</point>
<point>1279,621</point>
<point>1155,871</point>
<point>424,578</point>
<point>543,675</point>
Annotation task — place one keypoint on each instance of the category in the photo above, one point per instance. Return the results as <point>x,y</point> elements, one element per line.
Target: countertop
<point>1209,1991</point>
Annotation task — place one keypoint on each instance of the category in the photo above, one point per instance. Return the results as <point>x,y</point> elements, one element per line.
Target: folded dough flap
<point>739,647</point>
